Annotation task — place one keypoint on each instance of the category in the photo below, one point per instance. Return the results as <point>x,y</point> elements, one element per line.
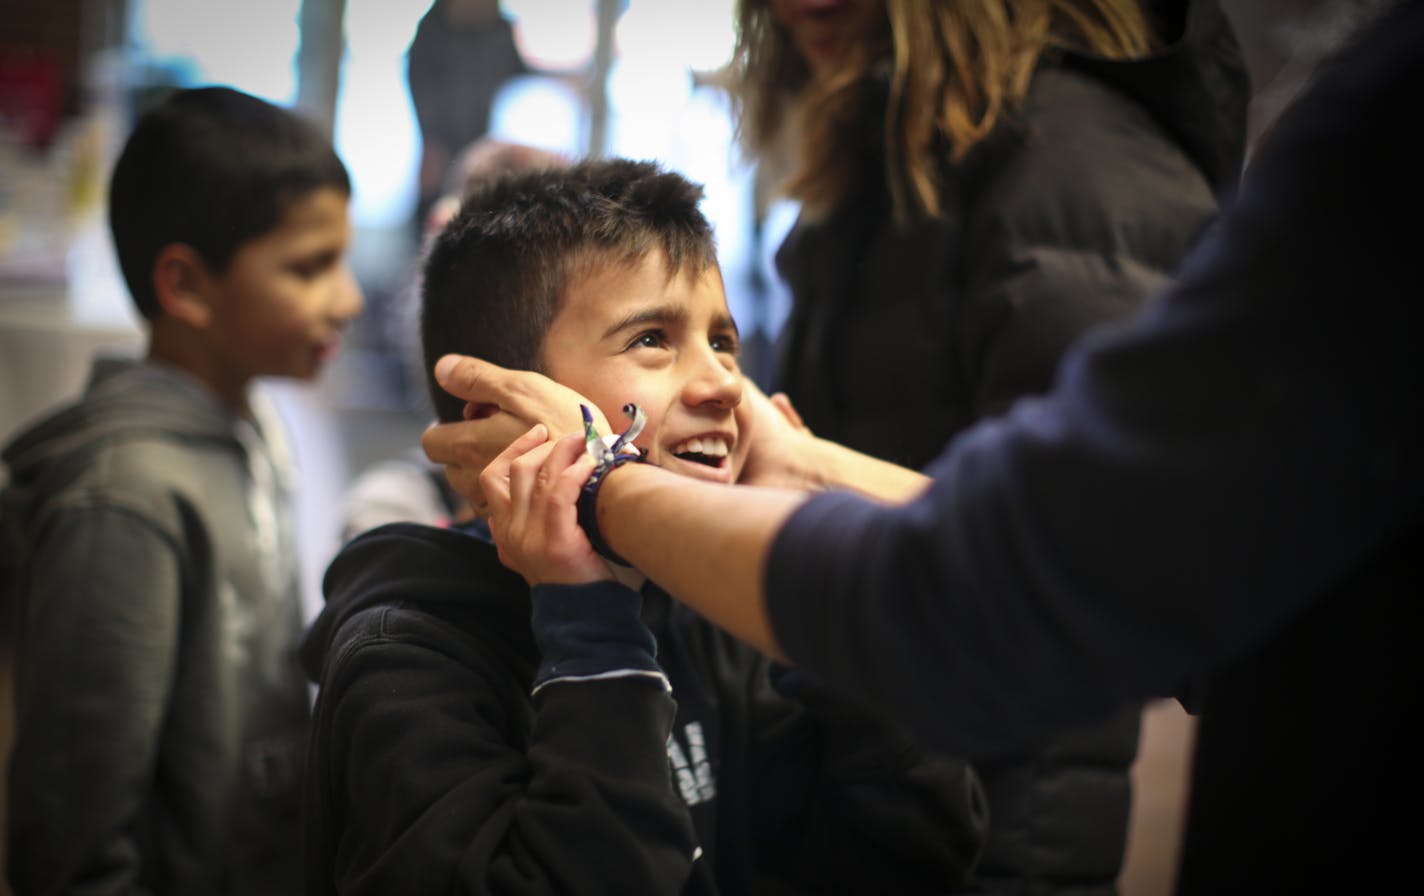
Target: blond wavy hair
<point>954,68</point>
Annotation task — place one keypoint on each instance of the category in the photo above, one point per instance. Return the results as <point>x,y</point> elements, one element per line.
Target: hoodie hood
<point>125,399</point>
<point>1196,86</point>
<point>447,572</point>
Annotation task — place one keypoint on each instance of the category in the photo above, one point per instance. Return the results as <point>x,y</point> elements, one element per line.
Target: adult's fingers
<point>473,379</point>
<point>782,401</point>
<point>528,396</point>
<point>465,447</point>
<point>473,442</point>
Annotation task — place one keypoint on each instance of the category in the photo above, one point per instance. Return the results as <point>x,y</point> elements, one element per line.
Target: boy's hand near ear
<point>531,488</point>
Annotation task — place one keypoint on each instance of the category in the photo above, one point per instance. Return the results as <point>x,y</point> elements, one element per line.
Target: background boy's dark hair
<point>497,274</point>
<point>212,168</point>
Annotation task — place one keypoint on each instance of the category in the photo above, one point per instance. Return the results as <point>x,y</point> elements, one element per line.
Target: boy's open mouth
<point>705,459</point>
<point>709,451</point>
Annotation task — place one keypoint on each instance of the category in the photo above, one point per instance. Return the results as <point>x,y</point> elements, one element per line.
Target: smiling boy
<point>665,341</point>
<point>161,718</point>
<point>481,730</point>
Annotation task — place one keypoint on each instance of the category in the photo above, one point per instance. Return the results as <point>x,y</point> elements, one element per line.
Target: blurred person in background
<point>981,183</point>
<point>462,52</point>
<point>160,714</point>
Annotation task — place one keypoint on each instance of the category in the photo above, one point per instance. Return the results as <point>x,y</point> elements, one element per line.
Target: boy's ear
<point>183,285</point>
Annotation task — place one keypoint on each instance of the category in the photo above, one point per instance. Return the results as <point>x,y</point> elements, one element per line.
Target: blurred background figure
<point>154,585</point>
<point>463,51</point>
<point>981,183</point>
<point>482,160</point>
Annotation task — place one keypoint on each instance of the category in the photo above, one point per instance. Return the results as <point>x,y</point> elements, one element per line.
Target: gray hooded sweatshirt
<point>154,607</point>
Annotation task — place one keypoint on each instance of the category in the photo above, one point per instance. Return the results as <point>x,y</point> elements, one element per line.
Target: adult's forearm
<point>704,543</point>
<point>840,467</point>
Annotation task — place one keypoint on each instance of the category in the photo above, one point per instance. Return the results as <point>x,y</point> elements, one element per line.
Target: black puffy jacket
<point>1071,215</point>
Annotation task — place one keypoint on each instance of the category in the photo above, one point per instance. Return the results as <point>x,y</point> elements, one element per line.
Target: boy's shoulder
<point>463,550</point>
<point>139,435</point>
<point>450,572</point>
<point>126,397</point>
<point>443,588</point>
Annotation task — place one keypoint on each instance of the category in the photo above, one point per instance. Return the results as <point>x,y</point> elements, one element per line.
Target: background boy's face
<point>280,307</point>
<point>629,334</point>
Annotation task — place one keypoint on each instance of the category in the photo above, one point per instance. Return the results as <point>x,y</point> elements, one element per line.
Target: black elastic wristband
<point>588,498</point>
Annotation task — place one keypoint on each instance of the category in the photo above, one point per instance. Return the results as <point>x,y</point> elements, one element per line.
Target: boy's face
<point>280,307</point>
<point>630,334</point>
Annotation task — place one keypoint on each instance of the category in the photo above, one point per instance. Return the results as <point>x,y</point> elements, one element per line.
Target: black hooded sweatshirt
<point>434,769</point>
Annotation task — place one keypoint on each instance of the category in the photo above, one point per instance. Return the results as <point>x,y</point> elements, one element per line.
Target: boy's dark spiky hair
<point>498,273</point>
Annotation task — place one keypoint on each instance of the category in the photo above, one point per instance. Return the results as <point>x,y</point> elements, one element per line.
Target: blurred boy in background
<point>160,713</point>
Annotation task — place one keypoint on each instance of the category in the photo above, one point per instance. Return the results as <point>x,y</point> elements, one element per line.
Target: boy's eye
<point>649,339</point>
<point>310,268</point>
<point>724,343</point>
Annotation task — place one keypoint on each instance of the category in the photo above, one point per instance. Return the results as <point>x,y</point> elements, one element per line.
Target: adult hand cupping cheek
<point>531,488</point>
<point>781,445</point>
<point>502,406</point>
<point>786,454</point>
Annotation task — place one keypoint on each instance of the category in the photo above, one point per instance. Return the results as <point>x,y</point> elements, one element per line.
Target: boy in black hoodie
<point>587,734</point>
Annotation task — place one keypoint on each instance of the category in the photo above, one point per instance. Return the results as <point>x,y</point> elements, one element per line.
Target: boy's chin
<point>294,374</point>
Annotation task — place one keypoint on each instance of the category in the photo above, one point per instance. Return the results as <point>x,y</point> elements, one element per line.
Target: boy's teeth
<point>711,447</point>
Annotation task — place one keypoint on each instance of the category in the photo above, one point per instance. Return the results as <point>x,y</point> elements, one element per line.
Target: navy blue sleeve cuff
<point>592,632</point>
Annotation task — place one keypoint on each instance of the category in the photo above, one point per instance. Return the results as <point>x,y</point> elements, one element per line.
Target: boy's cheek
<point>650,451</point>
<point>743,414</point>
<point>739,459</point>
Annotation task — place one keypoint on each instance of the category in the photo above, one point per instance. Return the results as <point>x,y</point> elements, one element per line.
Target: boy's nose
<point>347,300</point>
<point>715,382</point>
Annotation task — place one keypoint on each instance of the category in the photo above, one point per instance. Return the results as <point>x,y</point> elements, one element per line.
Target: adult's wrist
<point>609,453</point>
<point>587,506</point>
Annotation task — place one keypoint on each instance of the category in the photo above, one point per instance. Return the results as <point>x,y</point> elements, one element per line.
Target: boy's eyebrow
<point>665,315</point>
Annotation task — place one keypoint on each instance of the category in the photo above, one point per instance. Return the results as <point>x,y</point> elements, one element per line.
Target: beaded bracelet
<point>608,453</point>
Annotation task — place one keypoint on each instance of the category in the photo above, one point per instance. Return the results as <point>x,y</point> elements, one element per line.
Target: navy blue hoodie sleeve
<point>590,633</point>
<point>433,771</point>
<point>1193,480</point>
